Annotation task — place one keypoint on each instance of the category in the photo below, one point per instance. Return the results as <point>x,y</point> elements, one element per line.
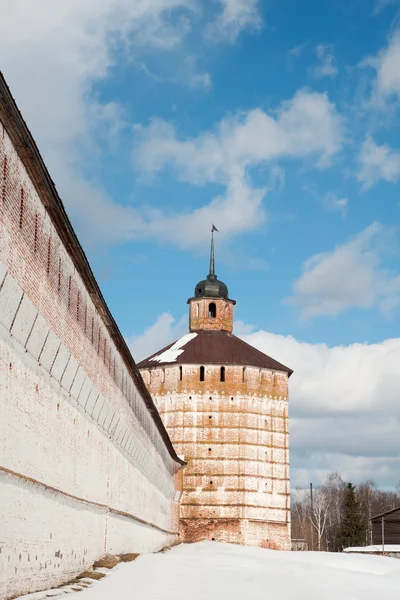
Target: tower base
<point>246,532</point>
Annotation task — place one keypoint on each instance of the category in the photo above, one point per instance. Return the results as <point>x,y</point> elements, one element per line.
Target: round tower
<point>225,407</point>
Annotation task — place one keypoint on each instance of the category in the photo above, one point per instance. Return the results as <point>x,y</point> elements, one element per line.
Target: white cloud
<point>236,16</point>
<point>52,66</point>
<point>326,66</point>
<point>343,401</point>
<point>378,162</point>
<point>351,276</point>
<point>52,54</point>
<point>164,331</point>
<point>307,126</point>
<point>386,64</point>
<point>334,203</point>
<point>343,407</point>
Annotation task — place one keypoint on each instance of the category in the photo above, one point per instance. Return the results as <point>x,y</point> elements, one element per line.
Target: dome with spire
<point>211,287</point>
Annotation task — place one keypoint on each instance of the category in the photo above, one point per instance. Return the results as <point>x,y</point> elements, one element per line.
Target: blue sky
<point>259,71</point>
<point>277,121</point>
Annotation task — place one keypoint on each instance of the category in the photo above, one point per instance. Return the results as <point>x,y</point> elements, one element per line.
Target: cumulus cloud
<point>386,65</point>
<point>377,163</point>
<point>307,126</point>
<point>157,336</point>
<point>343,401</point>
<point>52,54</point>
<point>350,276</point>
<point>326,66</point>
<point>52,66</point>
<point>338,397</point>
<point>235,16</point>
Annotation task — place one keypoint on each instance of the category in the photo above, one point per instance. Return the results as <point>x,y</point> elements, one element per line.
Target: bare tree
<point>319,514</point>
<point>335,489</point>
<point>325,517</point>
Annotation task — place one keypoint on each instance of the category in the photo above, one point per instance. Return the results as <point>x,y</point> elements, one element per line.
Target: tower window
<point>212,310</point>
<point>244,374</point>
<point>202,373</point>
<point>222,375</point>
<point>180,373</point>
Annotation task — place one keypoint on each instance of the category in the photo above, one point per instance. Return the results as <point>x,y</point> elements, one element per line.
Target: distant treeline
<point>338,513</point>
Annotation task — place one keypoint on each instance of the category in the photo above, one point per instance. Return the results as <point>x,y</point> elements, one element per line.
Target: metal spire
<point>211,274</point>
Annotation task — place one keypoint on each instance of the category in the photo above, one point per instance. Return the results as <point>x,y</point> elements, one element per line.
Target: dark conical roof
<point>212,347</point>
<point>211,288</point>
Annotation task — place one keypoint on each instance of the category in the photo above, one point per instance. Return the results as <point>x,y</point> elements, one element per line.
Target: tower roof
<point>211,287</point>
<point>212,347</point>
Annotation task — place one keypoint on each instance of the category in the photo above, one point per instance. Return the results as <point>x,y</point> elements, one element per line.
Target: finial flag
<point>213,228</point>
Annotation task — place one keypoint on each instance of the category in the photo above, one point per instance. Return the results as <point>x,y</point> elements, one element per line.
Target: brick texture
<point>234,436</point>
<point>83,467</point>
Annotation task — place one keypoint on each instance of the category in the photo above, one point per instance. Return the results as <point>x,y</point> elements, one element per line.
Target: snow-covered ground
<point>379,548</point>
<point>213,571</point>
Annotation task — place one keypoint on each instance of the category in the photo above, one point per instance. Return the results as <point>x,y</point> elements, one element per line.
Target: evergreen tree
<point>354,526</point>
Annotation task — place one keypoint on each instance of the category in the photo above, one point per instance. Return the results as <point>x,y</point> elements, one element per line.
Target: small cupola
<point>210,308</point>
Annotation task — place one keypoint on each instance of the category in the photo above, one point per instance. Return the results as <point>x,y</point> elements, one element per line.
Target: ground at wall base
<point>225,571</point>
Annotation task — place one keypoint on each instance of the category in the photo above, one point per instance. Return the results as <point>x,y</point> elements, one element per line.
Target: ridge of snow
<point>176,350</point>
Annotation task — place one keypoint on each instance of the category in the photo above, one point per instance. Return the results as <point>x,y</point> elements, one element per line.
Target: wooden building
<point>386,528</point>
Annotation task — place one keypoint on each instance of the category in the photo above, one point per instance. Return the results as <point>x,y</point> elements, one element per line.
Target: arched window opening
<point>202,373</point>
<point>180,373</point>
<point>197,310</point>
<point>212,310</point>
<point>222,375</point>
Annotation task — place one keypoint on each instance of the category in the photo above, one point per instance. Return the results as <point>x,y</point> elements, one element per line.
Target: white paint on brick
<point>46,436</point>
<point>37,337</point>
<point>3,272</point>
<point>69,374</point>
<point>10,297</point>
<point>49,351</point>
<point>60,363</point>
<point>24,320</point>
<point>92,400</point>
<point>78,383</point>
<point>97,405</point>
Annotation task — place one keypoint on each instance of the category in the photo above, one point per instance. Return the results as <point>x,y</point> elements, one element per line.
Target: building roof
<point>212,347</point>
<point>394,515</point>
<point>30,156</point>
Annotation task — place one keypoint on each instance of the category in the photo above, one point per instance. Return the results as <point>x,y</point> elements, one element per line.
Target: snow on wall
<point>234,437</point>
<point>84,469</point>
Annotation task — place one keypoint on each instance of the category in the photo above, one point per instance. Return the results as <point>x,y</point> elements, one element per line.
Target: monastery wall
<point>234,436</point>
<point>86,466</point>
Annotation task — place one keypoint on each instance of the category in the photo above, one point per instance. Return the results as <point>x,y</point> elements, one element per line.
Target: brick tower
<point>225,406</point>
